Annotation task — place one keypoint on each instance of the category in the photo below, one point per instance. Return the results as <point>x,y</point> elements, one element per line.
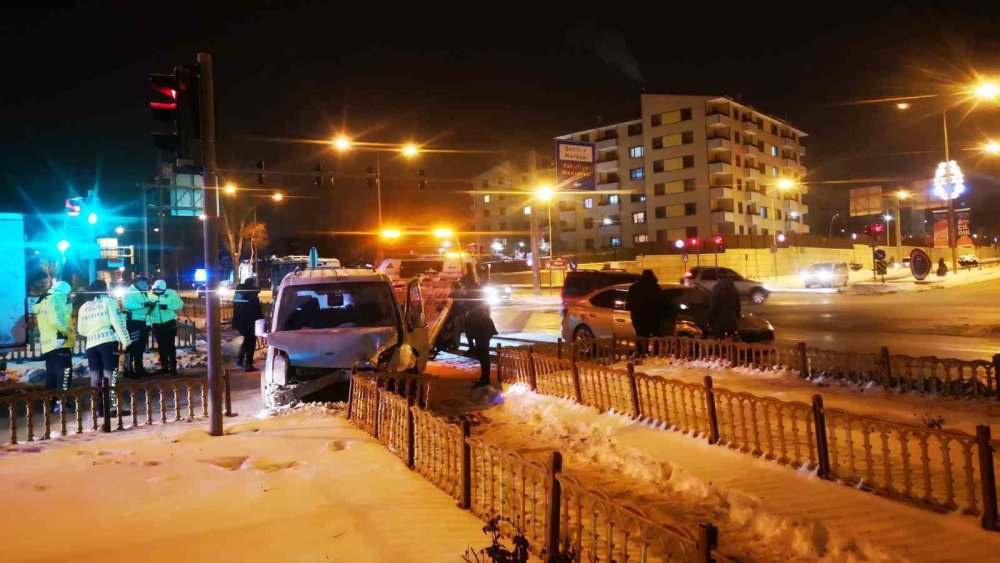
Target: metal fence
<point>552,509</point>
<point>944,470</point>
<point>107,408</point>
<point>187,336</point>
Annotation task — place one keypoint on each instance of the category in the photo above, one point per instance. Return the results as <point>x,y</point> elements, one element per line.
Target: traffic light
<point>261,175</point>
<point>74,206</point>
<point>693,241</point>
<point>318,180</point>
<point>718,242</point>
<point>177,105</point>
<point>421,183</point>
<point>370,181</point>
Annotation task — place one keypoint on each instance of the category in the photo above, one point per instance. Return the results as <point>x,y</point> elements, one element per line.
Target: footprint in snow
<point>232,463</point>
<point>336,446</point>
<point>269,466</point>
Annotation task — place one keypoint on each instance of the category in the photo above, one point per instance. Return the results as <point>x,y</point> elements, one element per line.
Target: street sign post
<point>558,264</point>
<point>575,165</point>
<point>684,257</point>
<point>879,254</point>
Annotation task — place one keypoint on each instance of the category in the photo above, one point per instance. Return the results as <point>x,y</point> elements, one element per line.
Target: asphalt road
<point>960,322</point>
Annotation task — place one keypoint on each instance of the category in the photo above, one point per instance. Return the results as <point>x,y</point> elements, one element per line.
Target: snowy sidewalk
<point>303,486</point>
<point>913,408</point>
<point>764,510</point>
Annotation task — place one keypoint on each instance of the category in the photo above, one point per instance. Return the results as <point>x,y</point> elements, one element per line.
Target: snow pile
<point>304,486</point>
<point>609,440</point>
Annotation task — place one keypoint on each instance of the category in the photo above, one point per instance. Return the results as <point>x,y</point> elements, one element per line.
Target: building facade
<point>502,203</point>
<point>691,166</point>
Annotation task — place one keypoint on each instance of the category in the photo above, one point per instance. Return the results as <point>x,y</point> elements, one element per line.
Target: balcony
<point>720,168</point>
<point>722,217</point>
<point>751,150</point>
<point>608,186</point>
<point>718,120</point>
<point>802,150</point>
<point>750,128</point>
<point>719,144</point>
<point>607,165</point>
<point>752,173</point>
<point>720,193</point>
<point>759,198</point>
<point>758,221</point>
<point>606,143</point>
<point>788,143</point>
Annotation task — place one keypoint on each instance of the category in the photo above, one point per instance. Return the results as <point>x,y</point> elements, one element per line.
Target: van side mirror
<point>260,328</point>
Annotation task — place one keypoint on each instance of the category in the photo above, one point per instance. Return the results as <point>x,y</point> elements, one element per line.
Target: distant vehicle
<point>825,274</point>
<point>968,260</point>
<point>706,277</point>
<point>579,283</point>
<point>604,313</point>
<point>281,267</point>
<point>496,293</point>
<point>856,266</point>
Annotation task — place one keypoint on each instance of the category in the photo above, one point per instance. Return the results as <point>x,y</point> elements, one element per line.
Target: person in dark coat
<point>479,325</point>
<point>724,308</point>
<point>246,311</point>
<point>646,306</point>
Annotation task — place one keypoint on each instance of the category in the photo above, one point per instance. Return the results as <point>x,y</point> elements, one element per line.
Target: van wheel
<point>758,296</point>
<point>583,337</point>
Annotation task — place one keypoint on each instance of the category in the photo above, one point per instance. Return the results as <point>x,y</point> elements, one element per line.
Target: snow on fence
<point>132,404</point>
<point>946,470</point>
<point>554,510</point>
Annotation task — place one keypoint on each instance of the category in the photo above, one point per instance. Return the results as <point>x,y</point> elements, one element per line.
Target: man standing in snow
<point>246,311</point>
<point>137,308</point>
<point>646,306</point>
<point>54,314</point>
<point>479,326</point>
<point>724,308</point>
<point>165,304</point>
<point>102,323</point>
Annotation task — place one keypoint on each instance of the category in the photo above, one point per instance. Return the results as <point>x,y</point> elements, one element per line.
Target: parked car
<point>825,274</point>
<point>968,260</point>
<point>706,277</point>
<point>579,283</point>
<point>604,313</point>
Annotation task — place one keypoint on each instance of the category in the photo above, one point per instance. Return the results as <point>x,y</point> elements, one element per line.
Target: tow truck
<point>329,321</point>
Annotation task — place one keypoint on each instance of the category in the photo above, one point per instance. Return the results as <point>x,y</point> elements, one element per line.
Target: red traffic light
<point>693,241</point>
<point>878,228</point>
<point>717,240</point>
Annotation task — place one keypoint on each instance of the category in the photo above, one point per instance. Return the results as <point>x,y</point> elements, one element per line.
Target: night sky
<point>486,76</point>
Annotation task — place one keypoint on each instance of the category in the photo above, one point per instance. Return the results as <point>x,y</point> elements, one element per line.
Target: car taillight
<point>688,275</point>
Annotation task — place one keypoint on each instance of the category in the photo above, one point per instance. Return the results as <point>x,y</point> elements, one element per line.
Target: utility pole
<point>379,254</point>
<point>899,231</point>
<point>536,255</point>
<point>213,328</point>
<point>145,233</point>
<point>951,200</point>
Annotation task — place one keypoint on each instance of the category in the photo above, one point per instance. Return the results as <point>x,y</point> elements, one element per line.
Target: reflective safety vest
<point>54,315</point>
<point>165,306</point>
<point>100,320</point>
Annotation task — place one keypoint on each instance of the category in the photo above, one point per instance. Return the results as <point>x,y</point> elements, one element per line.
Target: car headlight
<point>805,275</point>
<point>766,287</point>
<point>825,276</point>
<point>118,292</point>
<point>491,294</point>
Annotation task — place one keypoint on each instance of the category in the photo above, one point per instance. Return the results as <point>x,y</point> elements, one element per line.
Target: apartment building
<point>503,202</point>
<point>691,166</point>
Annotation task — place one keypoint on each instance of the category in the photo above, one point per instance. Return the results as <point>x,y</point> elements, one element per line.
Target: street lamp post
<point>782,185</point>
<point>832,219</point>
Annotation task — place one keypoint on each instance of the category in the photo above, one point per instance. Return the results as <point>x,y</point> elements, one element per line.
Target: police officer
<point>164,306</point>
<point>102,323</point>
<point>479,326</point>
<point>137,308</point>
<point>54,313</point>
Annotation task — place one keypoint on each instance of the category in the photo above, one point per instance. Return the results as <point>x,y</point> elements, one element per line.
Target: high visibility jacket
<point>136,304</point>
<point>54,314</point>
<point>100,320</point>
<point>165,306</point>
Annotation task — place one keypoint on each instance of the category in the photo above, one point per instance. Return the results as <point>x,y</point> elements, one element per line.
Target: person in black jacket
<point>479,326</point>
<point>646,305</point>
<point>246,311</point>
<point>724,309</point>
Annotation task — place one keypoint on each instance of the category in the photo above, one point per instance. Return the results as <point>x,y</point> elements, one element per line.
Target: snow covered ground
<point>870,400</point>
<point>304,485</point>
<point>765,512</point>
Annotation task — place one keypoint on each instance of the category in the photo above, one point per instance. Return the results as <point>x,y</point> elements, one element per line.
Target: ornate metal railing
<point>942,469</point>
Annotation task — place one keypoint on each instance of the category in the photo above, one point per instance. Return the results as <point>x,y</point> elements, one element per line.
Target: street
<point>958,322</point>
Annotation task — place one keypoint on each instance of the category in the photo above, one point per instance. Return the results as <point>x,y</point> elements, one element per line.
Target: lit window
<point>588,203</point>
<point>486,198</point>
<point>636,173</point>
<point>774,150</point>
<point>640,238</point>
<point>613,199</point>
<point>635,152</point>
<point>774,171</point>
<point>527,210</point>
<point>616,241</point>
<point>639,217</point>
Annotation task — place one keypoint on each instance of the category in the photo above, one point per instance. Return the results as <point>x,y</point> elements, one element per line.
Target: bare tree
<point>235,218</point>
<point>259,238</point>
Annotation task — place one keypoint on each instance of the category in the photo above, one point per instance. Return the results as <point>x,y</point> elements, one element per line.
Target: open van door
<point>415,322</point>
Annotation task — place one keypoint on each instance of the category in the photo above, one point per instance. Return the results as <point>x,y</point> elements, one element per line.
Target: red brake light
<point>688,275</point>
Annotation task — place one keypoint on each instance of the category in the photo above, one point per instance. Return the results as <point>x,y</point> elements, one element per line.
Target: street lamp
<point>120,230</point>
<point>278,196</point>
<point>410,150</point>
<point>783,185</point>
<point>341,143</point>
<point>991,148</point>
<point>987,90</point>
<point>391,234</point>
<point>230,189</point>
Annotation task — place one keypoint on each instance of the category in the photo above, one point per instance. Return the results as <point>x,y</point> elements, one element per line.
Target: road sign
<point>575,165</point>
<point>879,254</point>
<point>558,264</point>
<point>920,264</point>
<point>108,248</point>
<point>684,257</point>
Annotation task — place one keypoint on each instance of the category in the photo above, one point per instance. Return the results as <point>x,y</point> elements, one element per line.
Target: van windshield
<point>411,268</point>
<point>341,305</point>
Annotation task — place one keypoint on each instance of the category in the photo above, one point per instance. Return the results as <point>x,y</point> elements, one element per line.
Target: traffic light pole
<point>536,255</point>
<point>213,328</point>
